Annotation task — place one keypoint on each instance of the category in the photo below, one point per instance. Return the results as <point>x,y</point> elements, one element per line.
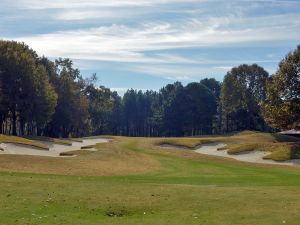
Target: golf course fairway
<point>134,181</point>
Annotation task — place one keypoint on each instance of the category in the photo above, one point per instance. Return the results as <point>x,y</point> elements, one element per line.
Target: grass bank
<point>54,140</point>
<point>22,141</point>
<point>281,147</point>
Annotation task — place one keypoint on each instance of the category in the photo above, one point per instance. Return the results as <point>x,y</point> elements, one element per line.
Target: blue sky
<point>145,44</point>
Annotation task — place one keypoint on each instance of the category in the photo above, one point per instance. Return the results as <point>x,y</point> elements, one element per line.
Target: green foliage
<point>71,113</point>
<point>45,98</point>
<point>173,111</point>
<point>213,85</point>
<point>282,107</point>
<point>243,92</point>
<point>200,107</point>
<point>24,83</point>
<point>104,109</point>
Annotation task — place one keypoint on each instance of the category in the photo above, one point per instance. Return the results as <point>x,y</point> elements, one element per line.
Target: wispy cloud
<point>67,4</point>
<point>150,36</point>
<point>129,44</point>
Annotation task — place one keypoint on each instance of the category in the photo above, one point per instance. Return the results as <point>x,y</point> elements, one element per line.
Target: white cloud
<point>130,44</point>
<point>69,4</point>
<point>139,42</point>
<point>124,89</point>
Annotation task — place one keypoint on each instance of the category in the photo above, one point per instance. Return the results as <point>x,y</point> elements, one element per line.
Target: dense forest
<point>51,98</point>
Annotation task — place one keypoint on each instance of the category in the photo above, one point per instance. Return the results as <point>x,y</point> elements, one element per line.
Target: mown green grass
<point>188,188</point>
<point>22,141</point>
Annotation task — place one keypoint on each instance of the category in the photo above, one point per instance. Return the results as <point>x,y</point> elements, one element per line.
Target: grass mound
<point>184,142</point>
<point>239,148</point>
<point>88,146</point>
<point>80,140</point>
<point>54,140</point>
<point>76,152</point>
<point>281,147</point>
<point>286,152</point>
<point>22,141</point>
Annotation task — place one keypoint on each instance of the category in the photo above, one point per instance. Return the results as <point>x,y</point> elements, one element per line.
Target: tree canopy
<point>243,93</point>
<point>282,106</point>
<point>26,93</point>
<point>43,97</point>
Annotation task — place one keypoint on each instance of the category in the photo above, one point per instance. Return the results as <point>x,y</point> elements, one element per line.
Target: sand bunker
<point>54,148</point>
<point>250,156</point>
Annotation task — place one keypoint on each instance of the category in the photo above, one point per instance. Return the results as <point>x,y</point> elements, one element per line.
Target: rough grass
<point>282,147</point>
<point>22,141</point>
<point>76,152</point>
<point>184,142</point>
<point>88,146</point>
<point>286,152</point>
<point>111,159</point>
<point>54,140</point>
<point>74,139</point>
<point>186,188</point>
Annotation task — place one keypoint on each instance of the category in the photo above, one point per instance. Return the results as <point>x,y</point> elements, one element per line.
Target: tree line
<point>39,96</point>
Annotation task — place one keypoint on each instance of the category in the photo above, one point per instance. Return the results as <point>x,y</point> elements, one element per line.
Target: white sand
<point>250,156</point>
<point>54,149</point>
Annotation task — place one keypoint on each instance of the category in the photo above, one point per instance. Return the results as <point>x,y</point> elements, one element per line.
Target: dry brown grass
<point>282,147</point>
<point>88,146</point>
<point>111,159</point>
<point>54,140</point>
<point>80,140</point>
<point>184,142</point>
<point>22,141</point>
<point>76,152</point>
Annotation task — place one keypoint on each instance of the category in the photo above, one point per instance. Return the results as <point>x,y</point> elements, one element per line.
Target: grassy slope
<point>282,147</point>
<point>187,188</point>
<point>23,141</point>
<point>76,152</point>
<point>183,142</point>
<point>54,140</point>
<point>111,159</point>
<point>88,146</point>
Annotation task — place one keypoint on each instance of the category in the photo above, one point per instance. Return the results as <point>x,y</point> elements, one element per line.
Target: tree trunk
<point>227,123</point>
<point>14,122</point>
<point>22,125</point>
